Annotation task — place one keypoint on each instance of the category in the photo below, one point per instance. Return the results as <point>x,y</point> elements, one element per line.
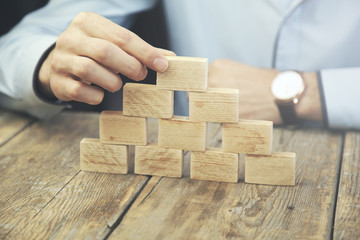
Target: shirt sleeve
<point>341,96</point>
<point>23,46</point>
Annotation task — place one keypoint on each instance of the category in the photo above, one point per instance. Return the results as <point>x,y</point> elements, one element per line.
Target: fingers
<point>87,70</point>
<point>93,50</point>
<point>166,52</point>
<point>99,27</point>
<point>111,56</point>
<point>65,88</point>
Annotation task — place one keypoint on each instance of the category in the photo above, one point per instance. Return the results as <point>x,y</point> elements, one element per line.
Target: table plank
<point>12,123</point>
<point>42,186</point>
<point>85,209</point>
<point>188,209</point>
<point>347,218</point>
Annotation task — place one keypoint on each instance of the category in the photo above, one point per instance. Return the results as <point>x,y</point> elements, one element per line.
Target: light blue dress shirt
<point>321,35</point>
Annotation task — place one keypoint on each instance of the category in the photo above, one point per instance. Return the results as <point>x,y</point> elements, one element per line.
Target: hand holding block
<point>115,128</point>
<point>154,160</point>
<point>214,165</point>
<point>277,169</point>
<point>248,136</point>
<point>97,157</point>
<point>144,100</point>
<point>184,74</point>
<point>214,105</point>
<point>180,133</point>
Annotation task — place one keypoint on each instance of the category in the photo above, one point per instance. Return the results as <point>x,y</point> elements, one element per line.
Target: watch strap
<point>288,114</point>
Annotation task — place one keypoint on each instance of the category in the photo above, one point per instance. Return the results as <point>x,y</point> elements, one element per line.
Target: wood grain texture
<point>214,165</point>
<point>105,158</point>
<point>115,128</point>
<point>214,105</point>
<point>37,194</point>
<point>12,123</point>
<point>154,160</point>
<point>184,74</point>
<point>276,169</point>
<point>248,136</point>
<point>187,209</point>
<point>180,133</point>
<point>84,209</point>
<point>37,164</point>
<point>347,218</point>
<point>144,100</point>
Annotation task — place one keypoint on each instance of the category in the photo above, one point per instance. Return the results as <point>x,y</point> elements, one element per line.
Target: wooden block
<point>98,157</point>
<point>247,136</point>
<point>154,160</point>
<point>214,105</point>
<point>115,128</point>
<point>145,100</point>
<point>214,165</point>
<point>180,133</point>
<point>184,74</point>
<point>277,169</point>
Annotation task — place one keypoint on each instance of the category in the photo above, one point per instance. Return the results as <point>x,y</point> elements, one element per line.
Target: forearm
<point>254,84</point>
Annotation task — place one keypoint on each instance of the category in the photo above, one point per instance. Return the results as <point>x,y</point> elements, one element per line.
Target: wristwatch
<point>287,89</point>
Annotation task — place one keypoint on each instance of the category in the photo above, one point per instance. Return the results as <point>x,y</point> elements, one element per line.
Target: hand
<point>93,50</point>
<point>256,99</point>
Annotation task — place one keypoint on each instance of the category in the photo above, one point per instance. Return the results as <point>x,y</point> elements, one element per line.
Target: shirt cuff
<point>325,119</point>
<point>341,97</point>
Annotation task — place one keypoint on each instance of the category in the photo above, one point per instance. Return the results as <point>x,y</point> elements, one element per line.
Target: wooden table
<point>43,194</point>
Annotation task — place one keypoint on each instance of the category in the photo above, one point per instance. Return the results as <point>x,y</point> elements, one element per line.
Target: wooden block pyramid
<point>119,130</point>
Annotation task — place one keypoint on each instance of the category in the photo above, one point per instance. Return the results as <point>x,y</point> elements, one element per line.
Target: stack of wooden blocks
<point>119,130</point>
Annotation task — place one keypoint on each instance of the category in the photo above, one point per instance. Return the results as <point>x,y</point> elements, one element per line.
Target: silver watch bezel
<point>284,81</point>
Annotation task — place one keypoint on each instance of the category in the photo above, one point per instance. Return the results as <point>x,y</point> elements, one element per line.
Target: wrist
<point>44,87</point>
<point>309,107</point>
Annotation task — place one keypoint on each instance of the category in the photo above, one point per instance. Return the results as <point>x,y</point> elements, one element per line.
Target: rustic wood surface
<point>44,195</point>
<point>347,218</point>
<point>188,209</point>
<point>11,124</point>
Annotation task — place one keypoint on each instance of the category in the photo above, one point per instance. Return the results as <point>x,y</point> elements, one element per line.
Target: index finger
<point>97,26</point>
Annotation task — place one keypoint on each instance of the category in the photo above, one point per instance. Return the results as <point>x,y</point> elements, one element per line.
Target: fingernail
<point>160,64</point>
<point>145,73</point>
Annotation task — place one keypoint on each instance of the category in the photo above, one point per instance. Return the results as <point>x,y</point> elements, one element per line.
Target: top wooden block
<point>184,74</point>
<point>145,100</point>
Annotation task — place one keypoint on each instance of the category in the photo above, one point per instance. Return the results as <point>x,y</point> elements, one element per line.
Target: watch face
<point>287,86</point>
